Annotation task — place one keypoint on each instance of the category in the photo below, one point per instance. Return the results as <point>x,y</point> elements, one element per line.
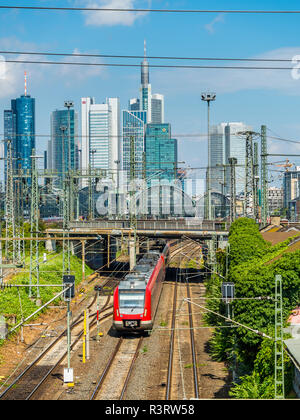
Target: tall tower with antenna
<point>145,89</point>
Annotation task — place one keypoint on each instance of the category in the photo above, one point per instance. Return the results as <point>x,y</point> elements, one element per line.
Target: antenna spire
<point>145,49</point>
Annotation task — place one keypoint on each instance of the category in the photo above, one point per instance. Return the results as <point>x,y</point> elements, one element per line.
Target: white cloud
<point>232,80</point>
<point>210,27</point>
<point>12,82</point>
<point>112,18</point>
<point>79,72</point>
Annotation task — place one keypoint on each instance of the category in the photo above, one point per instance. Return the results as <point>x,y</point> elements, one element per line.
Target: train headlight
<point>145,313</point>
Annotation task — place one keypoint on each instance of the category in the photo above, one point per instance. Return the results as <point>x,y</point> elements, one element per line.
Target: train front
<point>130,304</point>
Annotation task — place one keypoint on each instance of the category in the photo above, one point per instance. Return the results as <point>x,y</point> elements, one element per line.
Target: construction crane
<point>287,165</point>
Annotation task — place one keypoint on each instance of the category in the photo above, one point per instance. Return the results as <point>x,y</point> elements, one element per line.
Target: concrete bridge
<point>152,228</point>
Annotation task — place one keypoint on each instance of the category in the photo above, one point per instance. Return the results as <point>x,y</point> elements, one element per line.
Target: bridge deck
<point>151,228</point>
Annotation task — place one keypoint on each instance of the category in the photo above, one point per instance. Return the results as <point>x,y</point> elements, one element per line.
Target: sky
<point>256,97</point>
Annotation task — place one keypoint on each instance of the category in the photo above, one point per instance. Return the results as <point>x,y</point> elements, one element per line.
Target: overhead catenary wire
<point>167,66</point>
<point>86,55</point>
<point>149,10</point>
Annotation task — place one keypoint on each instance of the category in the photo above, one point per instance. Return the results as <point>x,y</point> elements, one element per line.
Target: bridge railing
<point>176,225</point>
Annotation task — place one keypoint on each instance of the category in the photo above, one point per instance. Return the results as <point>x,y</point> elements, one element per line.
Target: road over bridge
<point>150,228</point>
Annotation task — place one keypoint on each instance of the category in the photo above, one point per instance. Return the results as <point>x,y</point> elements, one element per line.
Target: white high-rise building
<point>157,109</point>
<point>227,143</point>
<point>100,128</point>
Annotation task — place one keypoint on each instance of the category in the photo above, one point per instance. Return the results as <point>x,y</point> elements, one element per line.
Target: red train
<point>136,298</point>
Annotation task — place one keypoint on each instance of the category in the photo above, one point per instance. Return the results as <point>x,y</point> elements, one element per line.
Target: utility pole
<point>69,105</point>
<point>279,360</point>
<point>66,222</point>
<point>232,163</point>
<point>34,226</point>
<point>133,220</point>
<point>249,199</point>
<point>264,176</point>
<point>208,97</point>
<point>256,183</point>
<point>91,187</point>
<point>10,247</point>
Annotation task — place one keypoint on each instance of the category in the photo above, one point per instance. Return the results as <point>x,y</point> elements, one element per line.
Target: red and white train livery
<point>136,298</point>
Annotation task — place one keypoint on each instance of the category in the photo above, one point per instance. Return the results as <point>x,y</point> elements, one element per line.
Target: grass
<point>15,301</point>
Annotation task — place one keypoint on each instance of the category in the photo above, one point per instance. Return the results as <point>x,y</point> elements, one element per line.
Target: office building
<point>134,104</point>
<point>19,127</point>
<point>101,137</point>
<point>63,146</point>
<point>291,186</point>
<point>226,142</point>
<point>161,152</point>
<point>275,199</point>
<point>134,123</point>
<point>157,109</point>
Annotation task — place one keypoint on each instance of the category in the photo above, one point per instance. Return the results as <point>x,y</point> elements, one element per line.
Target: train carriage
<point>137,296</point>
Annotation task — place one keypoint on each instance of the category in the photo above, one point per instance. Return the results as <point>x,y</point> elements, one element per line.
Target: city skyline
<point>51,85</point>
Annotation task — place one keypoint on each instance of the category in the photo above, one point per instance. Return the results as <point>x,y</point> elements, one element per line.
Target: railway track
<point>179,377</point>
<point>27,383</point>
<point>114,379</point>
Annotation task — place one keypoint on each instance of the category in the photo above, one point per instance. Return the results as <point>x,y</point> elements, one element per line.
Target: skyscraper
<point>227,143</point>
<point>145,90</point>
<point>134,104</point>
<point>217,156</point>
<point>157,108</point>
<point>19,127</point>
<point>134,123</point>
<point>63,156</point>
<point>100,125</point>
<point>235,146</point>
<point>161,152</point>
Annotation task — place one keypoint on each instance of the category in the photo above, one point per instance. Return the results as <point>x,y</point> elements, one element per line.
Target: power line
<point>168,66</point>
<point>149,57</point>
<point>98,136</point>
<point>99,9</point>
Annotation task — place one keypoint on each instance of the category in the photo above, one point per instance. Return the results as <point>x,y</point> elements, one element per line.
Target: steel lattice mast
<point>10,248</point>
<point>279,359</point>
<point>264,175</point>
<point>34,225</point>
<point>232,162</point>
<point>249,199</point>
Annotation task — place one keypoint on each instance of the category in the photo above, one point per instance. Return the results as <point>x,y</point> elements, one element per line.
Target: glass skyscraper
<point>161,152</point>
<point>134,128</point>
<point>63,146</point>
<point>19,127</point>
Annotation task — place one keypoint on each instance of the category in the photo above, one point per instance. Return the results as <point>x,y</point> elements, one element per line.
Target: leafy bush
<point>252,268</point>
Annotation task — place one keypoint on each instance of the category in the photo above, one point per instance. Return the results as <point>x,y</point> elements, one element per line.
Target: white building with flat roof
<point>101,137</point>
<point>226,142</point>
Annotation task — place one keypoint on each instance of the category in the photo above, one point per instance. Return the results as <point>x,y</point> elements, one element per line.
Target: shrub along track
<point>27,383</point>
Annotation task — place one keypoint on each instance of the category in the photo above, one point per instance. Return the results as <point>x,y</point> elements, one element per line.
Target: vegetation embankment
<point>252,266</point>
<point>15,303</point>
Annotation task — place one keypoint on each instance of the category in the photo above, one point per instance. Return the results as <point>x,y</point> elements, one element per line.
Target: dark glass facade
<point>63,147</point>
<point>134,126</point>
<point>19,127</point>
<point>161,151</point>
<point>24,111</point>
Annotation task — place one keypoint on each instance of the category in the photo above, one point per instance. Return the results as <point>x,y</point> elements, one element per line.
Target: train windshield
<point>131,299</point>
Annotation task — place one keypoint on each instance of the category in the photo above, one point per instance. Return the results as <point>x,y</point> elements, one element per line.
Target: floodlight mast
<point>208,97</point>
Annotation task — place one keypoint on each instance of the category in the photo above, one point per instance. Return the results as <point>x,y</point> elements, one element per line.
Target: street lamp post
<point>208,97</point>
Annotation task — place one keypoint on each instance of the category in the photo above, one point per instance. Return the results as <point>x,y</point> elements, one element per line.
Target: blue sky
<point>253,96</point>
